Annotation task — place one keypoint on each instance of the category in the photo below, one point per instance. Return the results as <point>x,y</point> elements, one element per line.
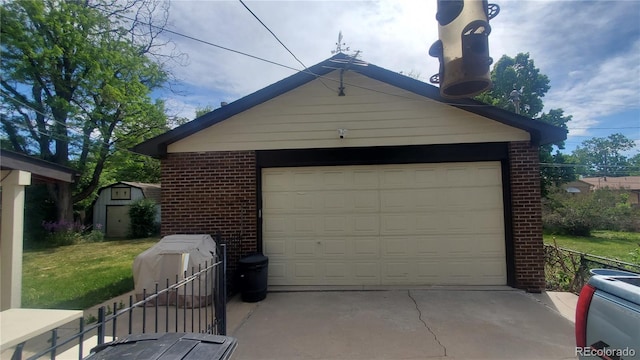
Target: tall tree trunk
<point>62,195</point>
<point>64,202</point>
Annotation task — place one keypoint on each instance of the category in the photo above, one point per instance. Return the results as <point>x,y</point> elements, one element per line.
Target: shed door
<point>409,224</point>
<point>117,221</point>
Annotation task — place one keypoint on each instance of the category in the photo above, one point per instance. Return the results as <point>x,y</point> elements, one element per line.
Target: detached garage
<point>389,184</point>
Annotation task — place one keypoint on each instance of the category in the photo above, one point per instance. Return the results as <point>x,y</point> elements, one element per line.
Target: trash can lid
<point>254,259</point>
<point>185,346</point>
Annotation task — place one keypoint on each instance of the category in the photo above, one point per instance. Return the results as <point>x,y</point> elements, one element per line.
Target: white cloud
<point>583,46</point>
<point>611,88</point>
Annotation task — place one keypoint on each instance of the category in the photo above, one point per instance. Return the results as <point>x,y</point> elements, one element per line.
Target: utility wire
<point>284,46</point>
<point>274,35</point>
<point>210,43</point>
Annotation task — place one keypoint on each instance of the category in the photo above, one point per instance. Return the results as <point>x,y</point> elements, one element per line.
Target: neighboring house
<point>17,172</point>
<point>111,208</point>
<point>577,187</point>
<point>629,185</point>
<point>389,184</point>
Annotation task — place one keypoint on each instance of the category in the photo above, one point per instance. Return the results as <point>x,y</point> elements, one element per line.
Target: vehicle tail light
<point>582,309</point>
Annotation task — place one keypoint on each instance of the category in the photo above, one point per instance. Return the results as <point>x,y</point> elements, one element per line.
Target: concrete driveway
<point>403,324</point>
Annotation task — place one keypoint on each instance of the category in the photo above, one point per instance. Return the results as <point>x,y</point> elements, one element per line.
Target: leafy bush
<point>62,233</point>
<point>578,214</point>
<point>95,235</point>
<point>142,214</point>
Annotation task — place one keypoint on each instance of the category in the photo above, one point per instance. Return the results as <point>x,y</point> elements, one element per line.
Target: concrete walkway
<point>404,324</point>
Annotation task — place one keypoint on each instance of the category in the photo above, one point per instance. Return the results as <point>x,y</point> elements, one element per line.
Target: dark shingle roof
<point>541,133</point>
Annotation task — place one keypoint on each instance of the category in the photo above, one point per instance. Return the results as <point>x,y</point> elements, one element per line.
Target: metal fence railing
<point>568,270</point>
<point>195,302</point>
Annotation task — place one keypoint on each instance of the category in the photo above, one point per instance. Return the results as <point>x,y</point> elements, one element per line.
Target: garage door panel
<point>337,271</point>
<point>364,179</point>
<point>276,248</point>
<point>368,224</point>
<point>278,201</point>
<point>305,248</point>
<point>367,271</point>
<point>336,248</point>
<point>385,224</point>
<point>306,270</point>
<point>366,247</point>
<point>397,246</point>
<point>396,271</point>
<point>278,180</point>
<point>431,222</point>
<point>304,201</point>
<point>488,175</point>
<point>303,225</point>
<point>396,224</point>
<point>277,272</point>
<point>275,224</point>
<point>395,178</point>
<point>426,178</point>
<point>410,200</point>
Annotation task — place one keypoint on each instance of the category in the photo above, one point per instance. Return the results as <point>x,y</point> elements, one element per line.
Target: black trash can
<point>253,271</point>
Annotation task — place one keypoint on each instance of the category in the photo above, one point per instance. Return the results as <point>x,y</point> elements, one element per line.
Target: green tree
<point>604,156</point>
<point>520,74</point>
<point>204,110</point>
<point>555,168</point>
<point>634,163</point>
<point>75,85</point>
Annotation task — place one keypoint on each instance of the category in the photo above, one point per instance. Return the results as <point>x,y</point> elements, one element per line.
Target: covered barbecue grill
<point>176,256</point>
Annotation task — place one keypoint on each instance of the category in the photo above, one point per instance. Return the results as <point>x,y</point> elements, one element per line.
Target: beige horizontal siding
<point>374,114</point>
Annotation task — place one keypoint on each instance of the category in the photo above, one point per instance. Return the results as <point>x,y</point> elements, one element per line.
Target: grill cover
<point>171,256</point>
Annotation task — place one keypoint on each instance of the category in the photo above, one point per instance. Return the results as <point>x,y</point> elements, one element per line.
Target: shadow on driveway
<point>404,324</point>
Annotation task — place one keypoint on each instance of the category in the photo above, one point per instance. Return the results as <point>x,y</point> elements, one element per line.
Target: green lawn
<point>79,276</point>
<point>610,244</point>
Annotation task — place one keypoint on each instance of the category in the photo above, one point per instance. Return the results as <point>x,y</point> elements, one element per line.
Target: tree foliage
<point>634,163</point>
<point>579,214</point>
<point>519,73</point>
<point>75,86</point>
<point>604,156</point>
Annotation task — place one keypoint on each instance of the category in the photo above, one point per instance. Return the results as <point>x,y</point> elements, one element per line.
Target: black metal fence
<point>193,303</point>
<point>568,270</point>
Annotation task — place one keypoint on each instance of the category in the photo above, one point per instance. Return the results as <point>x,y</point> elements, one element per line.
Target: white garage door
<point>385,224</point>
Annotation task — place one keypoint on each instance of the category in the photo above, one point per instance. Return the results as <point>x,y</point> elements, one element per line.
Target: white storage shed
<point>111,209</point>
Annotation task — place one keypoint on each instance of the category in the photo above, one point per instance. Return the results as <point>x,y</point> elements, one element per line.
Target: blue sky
<point>590,50</point>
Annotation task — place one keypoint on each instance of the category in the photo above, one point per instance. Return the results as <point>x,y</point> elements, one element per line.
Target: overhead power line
<point>208,43</point>
<point>272,33</point>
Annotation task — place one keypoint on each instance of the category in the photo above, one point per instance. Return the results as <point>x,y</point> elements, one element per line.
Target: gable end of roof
<point>541,133</point>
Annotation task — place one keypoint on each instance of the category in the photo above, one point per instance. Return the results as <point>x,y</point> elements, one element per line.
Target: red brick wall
<point>527,216</point>
<point>207,193</point>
